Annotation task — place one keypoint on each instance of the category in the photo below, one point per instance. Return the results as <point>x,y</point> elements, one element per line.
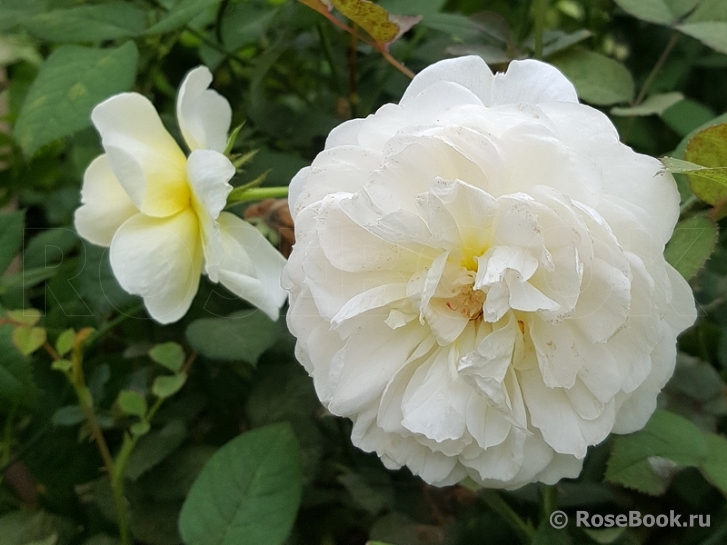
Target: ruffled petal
<point>470,72</point>
<point>104,204</point>
<point>250,266</point>
<point>144,157</point>
<point>159,259</point>
<point>203,114</point>
<point>532,82</point>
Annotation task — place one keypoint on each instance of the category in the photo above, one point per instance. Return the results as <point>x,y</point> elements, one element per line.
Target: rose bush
<point>478,279</point>
<point>161,212</point>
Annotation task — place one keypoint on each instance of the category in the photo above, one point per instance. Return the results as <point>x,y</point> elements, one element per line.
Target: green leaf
<point>646,460</point>
<point>456,25</point>
<point>489,53</point>
<point>709,10</point>
<point>255,482</point>
<point>26,316</point>
<point>70,415</point>
<point>13,12</point>
<point>598,79</point>
<point>708,148</point>
<point>62,365</point>
<point>662,12</point>
<point>715,174</point>
<point>420,7</point>
<point>170,355</point>
<point>132,402</point>
<point>28,339</point>
<point>155,447</point>
<point>687,115</point>
<point>16,378</point>
<point>11,236</point>
<point>88,23</point>
<point>242,336</point>
<point>64,342</point>
<point>139,428</point>
<point>167,386</point>
<point>382,26</point>
<point>714,468</point>
<point>181,14</point>
<point>244,24</point>
<point>711,33</point>
<point>70,83</point>
<point>48,247</point>
<point>691,245</point>
<point>26,278</point>
<point>654,105</point>
<point>556,41</point>
<point>172,478</point>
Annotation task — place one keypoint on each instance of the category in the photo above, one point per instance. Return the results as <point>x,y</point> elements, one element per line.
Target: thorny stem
<point>85,401</point>
<point>129,443</point>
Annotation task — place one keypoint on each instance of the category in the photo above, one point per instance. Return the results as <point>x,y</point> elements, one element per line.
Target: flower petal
<point>209,173</point>
<point>532,82</point>
<point>250,266</point>
<point>105,204</point>
<point>144,157</point>
<point>470,72</point>
<point>161,260</point>
<point>203,114</point>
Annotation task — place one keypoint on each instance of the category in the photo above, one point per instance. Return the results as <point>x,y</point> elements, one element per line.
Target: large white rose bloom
<point>161,212</point>
<point>478,280</point>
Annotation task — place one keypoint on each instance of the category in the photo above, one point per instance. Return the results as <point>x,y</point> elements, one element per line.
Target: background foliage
<point>213,429</point>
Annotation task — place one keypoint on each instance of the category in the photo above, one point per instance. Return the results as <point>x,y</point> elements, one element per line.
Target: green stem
<point>523,531</point>
<point>549,500</point>
<point>85,401</point>
<point>260,193</point>
<point>117,486</point>
<point>539,9</point>
<point>108,326</point>
<point>657,68</point>
<point>328,52</point>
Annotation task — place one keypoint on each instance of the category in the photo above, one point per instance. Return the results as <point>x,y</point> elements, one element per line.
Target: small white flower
<point>161,212</point>
<point>478,278</point>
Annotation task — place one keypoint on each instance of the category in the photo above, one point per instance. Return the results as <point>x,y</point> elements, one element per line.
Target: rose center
<point>468,302</point>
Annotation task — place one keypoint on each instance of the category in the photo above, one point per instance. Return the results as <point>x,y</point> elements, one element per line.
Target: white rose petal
<point>478,279</point>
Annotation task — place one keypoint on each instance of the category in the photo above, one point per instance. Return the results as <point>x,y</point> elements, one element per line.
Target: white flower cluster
<point>478,278</point>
